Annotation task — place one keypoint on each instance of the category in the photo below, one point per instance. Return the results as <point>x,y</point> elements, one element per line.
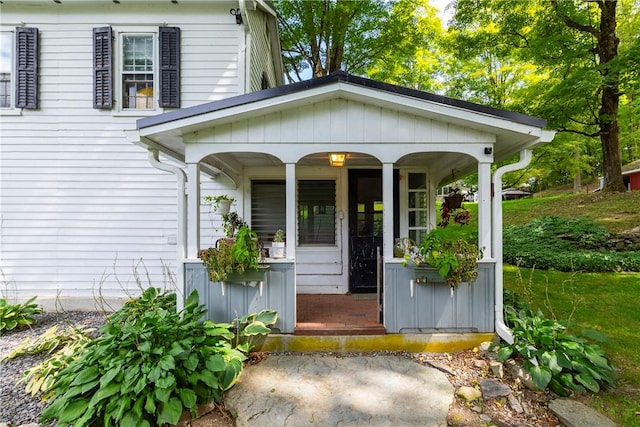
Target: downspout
<point>181,234</point>
<point>502,330</point>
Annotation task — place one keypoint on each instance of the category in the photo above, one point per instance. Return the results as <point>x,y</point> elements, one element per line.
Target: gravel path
<point>17,407</point>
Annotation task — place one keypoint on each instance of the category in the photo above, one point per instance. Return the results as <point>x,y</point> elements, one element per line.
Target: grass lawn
<point>607,302</point>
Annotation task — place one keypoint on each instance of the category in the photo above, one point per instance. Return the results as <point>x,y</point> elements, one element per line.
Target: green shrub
<point>552,243</point>
<point>16,316</point>
<point>148,366</point>
<point>554,358</point>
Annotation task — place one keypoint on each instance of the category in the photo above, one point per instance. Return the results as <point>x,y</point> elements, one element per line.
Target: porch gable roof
<point>510,132</point>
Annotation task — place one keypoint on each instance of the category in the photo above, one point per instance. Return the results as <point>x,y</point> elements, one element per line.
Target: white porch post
<point>484,209</point>
<point>290,169</point>
<point>387,213</point>
<point>432,213</point>
<point>193,210</point>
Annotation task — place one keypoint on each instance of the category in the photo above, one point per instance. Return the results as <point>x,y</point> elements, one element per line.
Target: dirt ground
<point>465,368</point>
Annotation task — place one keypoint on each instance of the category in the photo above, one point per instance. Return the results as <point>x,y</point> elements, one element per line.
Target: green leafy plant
<point>245,249</point>
<point>231,222</point>
<point>456,260</point>
<point>216,201</point>
<point>147,367</point>
<point>555,358</point>
<point>574,244</point>
<point>16,316</point>
<point>253,328</point>
<point>40,378</point>
<point>278,236</point>
<point>232,255</point>
<point>218,261</point>
<point>51,340</point>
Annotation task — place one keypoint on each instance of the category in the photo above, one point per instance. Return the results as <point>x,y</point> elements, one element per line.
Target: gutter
<point>181,235</point>
<point>502,330</point>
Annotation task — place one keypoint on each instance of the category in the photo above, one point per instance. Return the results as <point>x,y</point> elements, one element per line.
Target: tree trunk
<point>577,179</point>
<point>607,50</point>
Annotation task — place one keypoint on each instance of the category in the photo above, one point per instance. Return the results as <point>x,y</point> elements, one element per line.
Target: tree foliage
<point>323,36</point>
<point>573,62</point>
<point>574,50</point>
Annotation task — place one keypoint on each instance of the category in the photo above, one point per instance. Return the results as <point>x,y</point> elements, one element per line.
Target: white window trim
<point>404,202</point>
<point>119,33</point>
<point>11,110</point>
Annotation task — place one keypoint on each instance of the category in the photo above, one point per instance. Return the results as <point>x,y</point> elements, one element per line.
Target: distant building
<point>514,194</point>
<point>631,175</point>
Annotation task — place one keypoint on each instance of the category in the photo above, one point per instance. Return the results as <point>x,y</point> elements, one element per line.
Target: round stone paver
<point>321,390</point>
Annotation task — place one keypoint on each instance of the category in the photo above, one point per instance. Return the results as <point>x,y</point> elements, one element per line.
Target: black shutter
<point>169,67</point>
<point>26,67</point>
<point>102,59</point>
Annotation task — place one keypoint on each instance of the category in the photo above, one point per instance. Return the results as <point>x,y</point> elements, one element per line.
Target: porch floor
<point>350,314</point>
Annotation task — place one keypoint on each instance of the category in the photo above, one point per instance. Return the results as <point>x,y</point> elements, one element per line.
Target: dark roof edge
<point>339,76</point>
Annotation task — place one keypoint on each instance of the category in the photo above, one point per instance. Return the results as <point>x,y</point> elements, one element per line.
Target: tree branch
<point>579,132</point>
<point>574,24</point>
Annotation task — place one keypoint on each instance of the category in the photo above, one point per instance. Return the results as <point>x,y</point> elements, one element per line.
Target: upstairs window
<point>148,69</point>
<point>23,61</point>
<point>137,71</point>
<point>6,62</point>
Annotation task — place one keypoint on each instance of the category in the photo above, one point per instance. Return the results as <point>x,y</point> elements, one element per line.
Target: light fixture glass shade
<point>337,159</point>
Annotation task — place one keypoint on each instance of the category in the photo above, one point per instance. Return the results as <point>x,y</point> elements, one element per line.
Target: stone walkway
<point>325,390</point>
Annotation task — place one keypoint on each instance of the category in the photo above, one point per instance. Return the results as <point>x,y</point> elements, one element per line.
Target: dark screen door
<point>365,228</point>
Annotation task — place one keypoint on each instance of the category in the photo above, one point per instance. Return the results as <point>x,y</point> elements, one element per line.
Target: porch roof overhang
<point>506,132</point>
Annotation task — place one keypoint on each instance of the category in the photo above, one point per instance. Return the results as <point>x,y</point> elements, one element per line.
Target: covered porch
<point>271,149</point>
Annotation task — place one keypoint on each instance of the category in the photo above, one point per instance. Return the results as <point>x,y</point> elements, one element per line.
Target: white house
<point>80,205</point>
<point>132,111</point>
<point>275,147</point>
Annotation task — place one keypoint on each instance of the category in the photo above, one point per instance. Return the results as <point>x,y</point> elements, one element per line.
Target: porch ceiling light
<point>337,159</point>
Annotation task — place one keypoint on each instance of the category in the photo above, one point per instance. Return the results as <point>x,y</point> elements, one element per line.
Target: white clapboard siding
<point>81,208</point>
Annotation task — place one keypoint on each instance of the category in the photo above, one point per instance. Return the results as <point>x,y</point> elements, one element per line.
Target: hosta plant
<point>554,358</point>
<point>40,378</point>
<point>16,316</point>
<point>148,368</point>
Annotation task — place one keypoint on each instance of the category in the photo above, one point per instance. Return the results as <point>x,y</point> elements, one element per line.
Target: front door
<point>365,228</point>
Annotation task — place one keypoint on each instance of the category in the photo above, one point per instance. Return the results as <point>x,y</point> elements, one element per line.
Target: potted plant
<point>455,260</point>
<point>460,215</point>
<point>278,244</point>
<point>235,259</point>
<point>231,222</point>
<point>220,204</point>
<point>453,200</point>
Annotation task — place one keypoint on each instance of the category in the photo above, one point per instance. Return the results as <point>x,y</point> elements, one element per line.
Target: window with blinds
<point>268,207</point>
<point>138,69</point>
<point>316,212</point>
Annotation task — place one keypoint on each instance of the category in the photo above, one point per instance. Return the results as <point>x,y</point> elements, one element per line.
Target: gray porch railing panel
<point>278,293</point>
<point>432,307</point>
